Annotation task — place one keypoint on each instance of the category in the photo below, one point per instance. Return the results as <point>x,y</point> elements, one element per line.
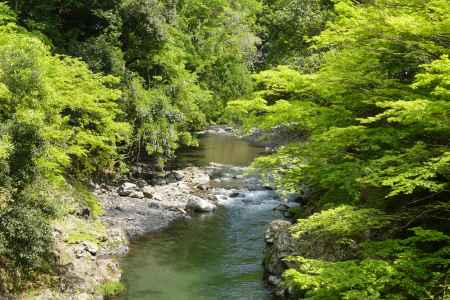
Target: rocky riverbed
<point>88,250</point>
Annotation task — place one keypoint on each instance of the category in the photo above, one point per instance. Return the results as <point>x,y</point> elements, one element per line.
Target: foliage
<point>87,87</point>
<point>88,200</point>
<point>343,221</point>
<point>412,268</point>
<point>56,118</point>
<point>182,58</point>
<point>374,116</point>
<point>111,289</point>
<point>371,125</point>
<point>286,27</point>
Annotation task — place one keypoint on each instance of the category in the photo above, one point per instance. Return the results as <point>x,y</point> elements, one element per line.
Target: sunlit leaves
<point>390,269</point>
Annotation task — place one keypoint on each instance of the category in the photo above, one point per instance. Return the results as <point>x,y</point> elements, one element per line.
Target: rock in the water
<point>235,194</point>
<point>127,188</point>
<point>198,204</point>
<point>286,206</point>
<point>154,204</point>
<point>158,181</point>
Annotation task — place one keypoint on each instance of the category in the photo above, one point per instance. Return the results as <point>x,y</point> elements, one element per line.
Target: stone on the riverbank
<point>203,187</point>
<point>178,175</point>
<point>136,194</point>
<point>141,183</point>
<point>127,188</point>
<point>280,244</point>
<point>198,204</point>
<point>90,247</point>
<point>200,179</point>
<point>148,191</point>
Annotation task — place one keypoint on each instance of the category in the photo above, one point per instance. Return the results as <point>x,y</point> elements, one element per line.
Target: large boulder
<point>198,204</point>
<point>279,244</point>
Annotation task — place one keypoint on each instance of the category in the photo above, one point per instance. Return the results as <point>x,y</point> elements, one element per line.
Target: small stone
<point>79,253</point>
<point>148,191</point>
<point>127,188</point>
<point>154,205</point>
<point>90,247</point>
<point>141,183</point>
<point>202,187</point>
<point>178,175</point>
<point>136,194</point>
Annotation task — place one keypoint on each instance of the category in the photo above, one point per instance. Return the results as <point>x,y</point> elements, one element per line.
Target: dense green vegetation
<point>374,115</point>
<point>88,87</point>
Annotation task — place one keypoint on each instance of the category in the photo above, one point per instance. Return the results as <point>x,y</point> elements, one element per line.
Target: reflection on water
<point>216,256</point>
<point>220,149</point>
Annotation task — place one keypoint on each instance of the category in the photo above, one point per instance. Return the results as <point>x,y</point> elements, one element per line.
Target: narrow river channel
<point>216,256</point>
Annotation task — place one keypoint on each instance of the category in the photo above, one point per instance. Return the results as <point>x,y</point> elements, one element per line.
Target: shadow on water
<point>215,256</point>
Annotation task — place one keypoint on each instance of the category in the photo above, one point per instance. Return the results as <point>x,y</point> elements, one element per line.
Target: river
<point>215,256</point>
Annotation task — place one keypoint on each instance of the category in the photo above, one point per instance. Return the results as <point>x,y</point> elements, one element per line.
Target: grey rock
<point>203,187</point>
<point>154,204</point>
<point>284,207</point>
<point>198,204</point>
<point>280,244</point>
<point>127,188</point>
<point>141,183</point>
<point>178,175</point>
<point>90,247</point>
<point>136,194</point>
<point>148,191</point>
<point>200,179</point>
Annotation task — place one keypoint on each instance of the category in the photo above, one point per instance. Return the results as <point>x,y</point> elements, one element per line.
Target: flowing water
<point>215,256</point>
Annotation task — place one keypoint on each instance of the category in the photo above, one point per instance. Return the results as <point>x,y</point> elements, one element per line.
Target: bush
<point>111,289</point>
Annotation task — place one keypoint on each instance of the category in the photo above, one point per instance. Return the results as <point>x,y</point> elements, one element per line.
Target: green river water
<point>216,256</point>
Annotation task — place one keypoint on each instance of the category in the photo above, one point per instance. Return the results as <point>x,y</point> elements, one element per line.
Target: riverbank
<point>87,250</point>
